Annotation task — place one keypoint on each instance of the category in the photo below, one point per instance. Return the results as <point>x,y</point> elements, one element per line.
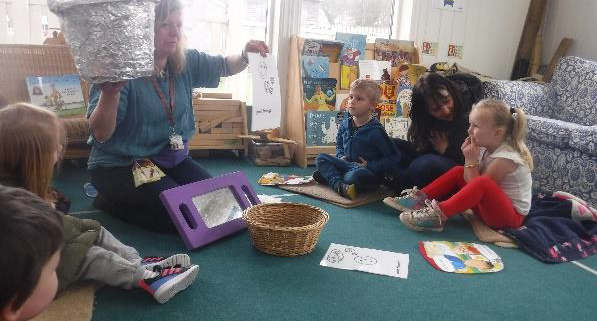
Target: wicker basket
<point>285,229</point>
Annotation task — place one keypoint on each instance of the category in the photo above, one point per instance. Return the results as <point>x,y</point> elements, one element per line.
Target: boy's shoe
<point>346,190</point>
<point>409,200</point>
<point>169,282</point>
<point>157,263</point>
<point>429,218</point>
<point>319,178</point>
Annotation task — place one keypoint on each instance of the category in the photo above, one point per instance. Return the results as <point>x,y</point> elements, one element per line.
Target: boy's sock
<point>169,282</point>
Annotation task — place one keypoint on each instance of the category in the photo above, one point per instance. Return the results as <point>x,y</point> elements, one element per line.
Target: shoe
<point>157,263</point>
<point>409,200</point>
<point>346,190</point>
<point>429,218</point>
<point>169,282</point>
<point>319,178</point>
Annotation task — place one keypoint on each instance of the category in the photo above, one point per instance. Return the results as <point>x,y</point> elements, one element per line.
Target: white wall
<point>571,19</point>
<point>489,31</point>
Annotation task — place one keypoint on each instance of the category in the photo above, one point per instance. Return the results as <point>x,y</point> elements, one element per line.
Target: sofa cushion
<point>575,84</point>
<point>534,98</point>
<point>562,134</point>
<point>77,131</point>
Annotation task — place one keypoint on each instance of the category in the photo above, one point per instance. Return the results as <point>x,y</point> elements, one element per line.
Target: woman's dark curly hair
<point>427,89</point>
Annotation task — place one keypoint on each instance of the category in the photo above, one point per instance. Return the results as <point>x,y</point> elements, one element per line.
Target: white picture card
<point>366,260</point>
<point>266,112</point>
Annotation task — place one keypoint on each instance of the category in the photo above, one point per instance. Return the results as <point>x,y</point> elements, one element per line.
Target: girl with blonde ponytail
<point>495,181</point>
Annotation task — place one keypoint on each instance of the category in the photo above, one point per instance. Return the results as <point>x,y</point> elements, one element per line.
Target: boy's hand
<point>362,162</point>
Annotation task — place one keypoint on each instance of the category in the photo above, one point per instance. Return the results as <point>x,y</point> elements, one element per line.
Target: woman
<point>140,132</point>
<point>439,116</point>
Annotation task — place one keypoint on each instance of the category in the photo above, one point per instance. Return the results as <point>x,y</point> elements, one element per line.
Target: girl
<point>31,144</point>
<point>495,181</point>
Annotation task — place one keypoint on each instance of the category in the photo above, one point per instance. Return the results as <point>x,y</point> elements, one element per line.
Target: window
<point>224,27</point>
<point>44,26</point>
<point>323,18</point>
<point>9,29</point>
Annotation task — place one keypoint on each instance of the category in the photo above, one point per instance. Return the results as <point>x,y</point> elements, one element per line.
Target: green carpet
<point>237,282</point>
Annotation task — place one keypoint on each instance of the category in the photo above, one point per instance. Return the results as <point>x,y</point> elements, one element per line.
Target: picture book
<point>341,102</point>
<point>403,101</point>
<point>319,94</point>
<point>326,48</point>
<point>60,94</point>
<point>396,127</point>
<point>322,127</point>
<point>461,257</point>
<point>353,49</point>
<point>315,66</point>
<point>395,51</point>
<point>272,179</point>
<point>348,74</point>
<point>408,74</point>
<point>373,69</point>
<point>387,101</point>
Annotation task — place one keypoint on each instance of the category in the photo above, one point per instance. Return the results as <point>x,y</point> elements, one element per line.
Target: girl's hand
<point>111,88</point>
<point>256,46</point>
<point>470,150</point>
<point>362,162</point>
<point>440,141</point>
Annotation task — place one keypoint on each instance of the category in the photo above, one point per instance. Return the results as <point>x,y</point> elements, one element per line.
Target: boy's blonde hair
<point>513,121</point>
<point>162,12</point>
<point>29,139</point>
<point>370,87</point>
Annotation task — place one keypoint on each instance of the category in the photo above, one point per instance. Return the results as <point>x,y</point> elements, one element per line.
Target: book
<point>322,127</point>
<point>387,101</point>
<point>61,94</point>
<point>403,101</point>
<point>319,94</point>
<point>373,69</point>
<point>394,51</point>
<point>461,257</point>
<point>326,48</point>
<point>348,74</point>
<point>408,74</point>
<point>396,127</point>
<point>353,49</point>
<point>315,66</point>
<point>341,102</point>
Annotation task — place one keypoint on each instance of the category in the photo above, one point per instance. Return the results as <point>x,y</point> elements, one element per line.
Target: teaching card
<point>366,260</point>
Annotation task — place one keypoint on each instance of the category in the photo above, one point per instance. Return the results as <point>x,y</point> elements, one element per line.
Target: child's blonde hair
<point>513,121</point>
<point>370,87</point>
<point>29,139</point>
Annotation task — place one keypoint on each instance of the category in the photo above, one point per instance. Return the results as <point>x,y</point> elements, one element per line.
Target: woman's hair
<point>370,87</point>
<point>513,121</point>
<point>29,139</point>
<point>428,88</point>
<point>30,234</point>
<point>162,13</point>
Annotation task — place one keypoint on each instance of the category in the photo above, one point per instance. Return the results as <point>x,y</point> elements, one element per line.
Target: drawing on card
<point>262,70</point>
<point>266,111</point>
<point>366,260</point>
<point>335,256</point>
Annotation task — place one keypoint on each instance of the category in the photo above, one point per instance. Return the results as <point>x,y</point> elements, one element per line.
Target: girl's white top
<point>517,185</point>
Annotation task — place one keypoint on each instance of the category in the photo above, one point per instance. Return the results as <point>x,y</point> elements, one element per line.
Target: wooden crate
<point>218,124</point>
<point>269,153</point>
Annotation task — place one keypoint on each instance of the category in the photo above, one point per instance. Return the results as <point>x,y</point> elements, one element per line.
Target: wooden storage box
<point>269,153</point>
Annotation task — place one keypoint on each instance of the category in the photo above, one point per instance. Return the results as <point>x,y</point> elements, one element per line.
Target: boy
<point>364,152</point>
<point>30,244</point>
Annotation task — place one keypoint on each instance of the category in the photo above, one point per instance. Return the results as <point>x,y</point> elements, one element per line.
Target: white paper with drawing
<point>366,260</point>
<point>266,112</point>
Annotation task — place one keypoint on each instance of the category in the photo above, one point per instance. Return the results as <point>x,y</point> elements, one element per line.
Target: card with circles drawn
<point>366,260</point>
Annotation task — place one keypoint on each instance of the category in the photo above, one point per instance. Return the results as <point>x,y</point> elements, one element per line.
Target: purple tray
<point>212,197</point>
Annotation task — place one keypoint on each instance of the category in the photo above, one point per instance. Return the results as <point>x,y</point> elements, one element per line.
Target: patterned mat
<point>74,304</point>
<point>327,194</point>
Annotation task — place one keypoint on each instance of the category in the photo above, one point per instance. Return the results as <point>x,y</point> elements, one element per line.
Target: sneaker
<point>346,190</point>
<point>429,218</point>
<point>409,200</point>
<point>157,263</point>
<point>169,282</point>
<point>319,178</point>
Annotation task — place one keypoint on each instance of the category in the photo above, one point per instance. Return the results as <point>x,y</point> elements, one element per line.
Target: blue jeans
<point>141,205</point>
<point>336,170</point>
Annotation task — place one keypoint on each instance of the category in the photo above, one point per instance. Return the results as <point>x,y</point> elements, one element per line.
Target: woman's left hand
<point>440,141</point>
<point>362,162</point>
<point>257,46</point>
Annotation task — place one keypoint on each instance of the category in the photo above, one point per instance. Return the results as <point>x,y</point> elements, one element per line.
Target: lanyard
<point>169,110</point>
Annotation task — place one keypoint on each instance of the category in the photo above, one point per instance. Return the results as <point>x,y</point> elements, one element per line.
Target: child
<point>364,152</point>
<point>495,181</point>
<point>31,140</point>
<point>30,242</point>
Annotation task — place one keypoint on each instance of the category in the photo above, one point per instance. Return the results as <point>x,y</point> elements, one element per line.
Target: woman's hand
<point>440,141</point>
<point>111,88</point>
<point>362,162</point>
<point>256,46</point>
<point>471,151</point>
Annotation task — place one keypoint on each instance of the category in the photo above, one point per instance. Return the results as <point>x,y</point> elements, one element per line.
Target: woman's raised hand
<point>111,88</point>
<point>440,141</point>
<point>257,46</point>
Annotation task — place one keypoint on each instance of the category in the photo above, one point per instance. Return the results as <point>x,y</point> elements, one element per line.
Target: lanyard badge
<point>175,139</point>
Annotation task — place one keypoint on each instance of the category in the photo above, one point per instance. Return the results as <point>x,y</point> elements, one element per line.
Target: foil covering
<point>111,40</point>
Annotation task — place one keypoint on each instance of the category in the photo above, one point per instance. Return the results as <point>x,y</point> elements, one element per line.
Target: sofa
<point>562,122</point>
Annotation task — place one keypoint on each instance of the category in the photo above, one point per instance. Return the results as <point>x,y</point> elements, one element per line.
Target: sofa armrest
<point>533,98</point>
<point>563,134</point>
